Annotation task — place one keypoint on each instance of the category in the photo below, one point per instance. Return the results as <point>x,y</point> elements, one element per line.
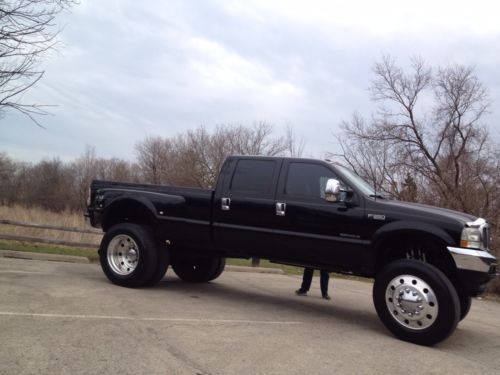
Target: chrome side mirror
<point>333,190</point>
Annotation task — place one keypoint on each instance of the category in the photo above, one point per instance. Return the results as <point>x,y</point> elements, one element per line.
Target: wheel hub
<point>132,255</point>
<point>411,302</point>
<point>123,255</point>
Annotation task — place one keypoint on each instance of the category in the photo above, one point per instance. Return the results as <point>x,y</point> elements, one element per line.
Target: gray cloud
<point>131,69</point>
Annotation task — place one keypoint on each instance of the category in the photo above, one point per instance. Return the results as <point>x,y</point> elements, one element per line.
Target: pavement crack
<point>178,354</point>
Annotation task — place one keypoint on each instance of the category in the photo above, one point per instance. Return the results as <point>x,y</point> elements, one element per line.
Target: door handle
<point>280,209</point>
<point>225,204</point>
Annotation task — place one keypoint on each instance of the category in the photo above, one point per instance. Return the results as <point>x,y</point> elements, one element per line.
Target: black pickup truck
<point>427,262</point>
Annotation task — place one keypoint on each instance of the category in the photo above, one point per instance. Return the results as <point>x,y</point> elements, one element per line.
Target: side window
<point>253,176</point>
<point>307,180</point>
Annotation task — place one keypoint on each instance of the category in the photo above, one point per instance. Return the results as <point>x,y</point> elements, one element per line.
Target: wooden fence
<point>13,237</point>
<point>6,236</point>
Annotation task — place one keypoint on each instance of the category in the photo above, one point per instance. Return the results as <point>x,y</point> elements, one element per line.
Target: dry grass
<point>40,216</point>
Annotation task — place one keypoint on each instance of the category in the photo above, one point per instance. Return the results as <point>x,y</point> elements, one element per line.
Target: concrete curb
<point>43,256</point>
<point>78,259</point>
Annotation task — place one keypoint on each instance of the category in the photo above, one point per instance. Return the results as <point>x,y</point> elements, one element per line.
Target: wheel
<point>161,266</point>
<point>416,301</point>
<point>198,269</point>
<point>465,301</point>
<point>465,304</point>
<point>129,255</point>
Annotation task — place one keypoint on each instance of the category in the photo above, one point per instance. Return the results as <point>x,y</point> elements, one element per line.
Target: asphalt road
<point>62,318</point>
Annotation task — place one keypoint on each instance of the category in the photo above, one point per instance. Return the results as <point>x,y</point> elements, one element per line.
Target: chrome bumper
<point>473,260</point>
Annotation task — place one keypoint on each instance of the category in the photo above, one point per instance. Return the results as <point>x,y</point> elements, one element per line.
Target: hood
<point>424,210</point>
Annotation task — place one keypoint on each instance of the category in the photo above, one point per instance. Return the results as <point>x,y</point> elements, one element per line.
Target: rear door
<point>244,206</point>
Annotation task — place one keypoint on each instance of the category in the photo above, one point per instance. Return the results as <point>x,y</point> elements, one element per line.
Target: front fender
<point>400,228</point>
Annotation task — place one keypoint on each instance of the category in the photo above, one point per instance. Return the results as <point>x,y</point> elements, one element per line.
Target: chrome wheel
<point>123,255</point>
<point>416,301</point>
<point>411,302</point>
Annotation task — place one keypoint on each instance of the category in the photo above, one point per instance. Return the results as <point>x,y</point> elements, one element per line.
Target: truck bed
<point>184,213</point>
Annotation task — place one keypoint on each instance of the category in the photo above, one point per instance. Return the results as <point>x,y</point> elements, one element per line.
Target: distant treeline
<point>192,158</point>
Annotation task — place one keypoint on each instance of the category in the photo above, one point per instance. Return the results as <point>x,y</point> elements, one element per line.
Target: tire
<point>416,301</point>
<point>129,255</point>
<point>465,302</point>
<point>161,266</point>
<point>198,269</point>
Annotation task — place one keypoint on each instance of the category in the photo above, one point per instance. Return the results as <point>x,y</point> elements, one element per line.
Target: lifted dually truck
<point>427,262</point>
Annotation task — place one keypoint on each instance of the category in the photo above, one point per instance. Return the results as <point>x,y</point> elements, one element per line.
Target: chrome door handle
<point>280,209</point>
<point>225,204</point>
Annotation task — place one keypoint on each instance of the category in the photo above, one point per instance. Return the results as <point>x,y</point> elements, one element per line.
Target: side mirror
<point>333,190</point>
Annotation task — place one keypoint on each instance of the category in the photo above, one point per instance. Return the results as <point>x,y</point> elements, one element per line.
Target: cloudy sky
<point>130,69</point>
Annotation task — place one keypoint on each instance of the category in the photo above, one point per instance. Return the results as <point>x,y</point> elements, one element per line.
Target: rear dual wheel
<point>198,269</point>
<point>130,256</point>
<point>416,302</point>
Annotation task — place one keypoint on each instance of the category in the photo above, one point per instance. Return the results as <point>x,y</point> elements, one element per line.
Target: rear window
<point>253,176</point>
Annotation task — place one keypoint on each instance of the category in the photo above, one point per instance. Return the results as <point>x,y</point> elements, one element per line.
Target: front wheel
<point>416,301</point>
<point>198,269</point>
<point>465,301</point>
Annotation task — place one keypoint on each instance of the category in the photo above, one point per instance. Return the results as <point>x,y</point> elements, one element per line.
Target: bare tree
<point>255,140</point>
<point>116,169</point>
<point>154,156</point>
<point>7,173</point>
<point>442,146</point>
<point>27,31</point>
<point>195,158</point>
<point>295,147</point>
<point>373,159</point>
<point>84,171</point>
<point>49,185</point>
<point>427,142</point>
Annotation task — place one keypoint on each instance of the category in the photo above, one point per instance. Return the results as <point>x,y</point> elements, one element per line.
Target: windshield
<point>358,181</point>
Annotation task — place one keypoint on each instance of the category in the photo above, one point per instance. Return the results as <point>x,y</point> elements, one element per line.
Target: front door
<point>313,230</point>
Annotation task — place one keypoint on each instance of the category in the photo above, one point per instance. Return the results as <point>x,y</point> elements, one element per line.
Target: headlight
<point>471,237</point>
<point>476,235</point>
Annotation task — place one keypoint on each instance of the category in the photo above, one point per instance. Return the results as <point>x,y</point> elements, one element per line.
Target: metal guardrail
<point>13,237</point>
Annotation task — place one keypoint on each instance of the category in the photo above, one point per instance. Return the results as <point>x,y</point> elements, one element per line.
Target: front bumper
<point>475,268</point>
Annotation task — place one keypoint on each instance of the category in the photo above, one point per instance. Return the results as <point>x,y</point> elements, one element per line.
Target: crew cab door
<point>244,210</point>
<point>312,230</point>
